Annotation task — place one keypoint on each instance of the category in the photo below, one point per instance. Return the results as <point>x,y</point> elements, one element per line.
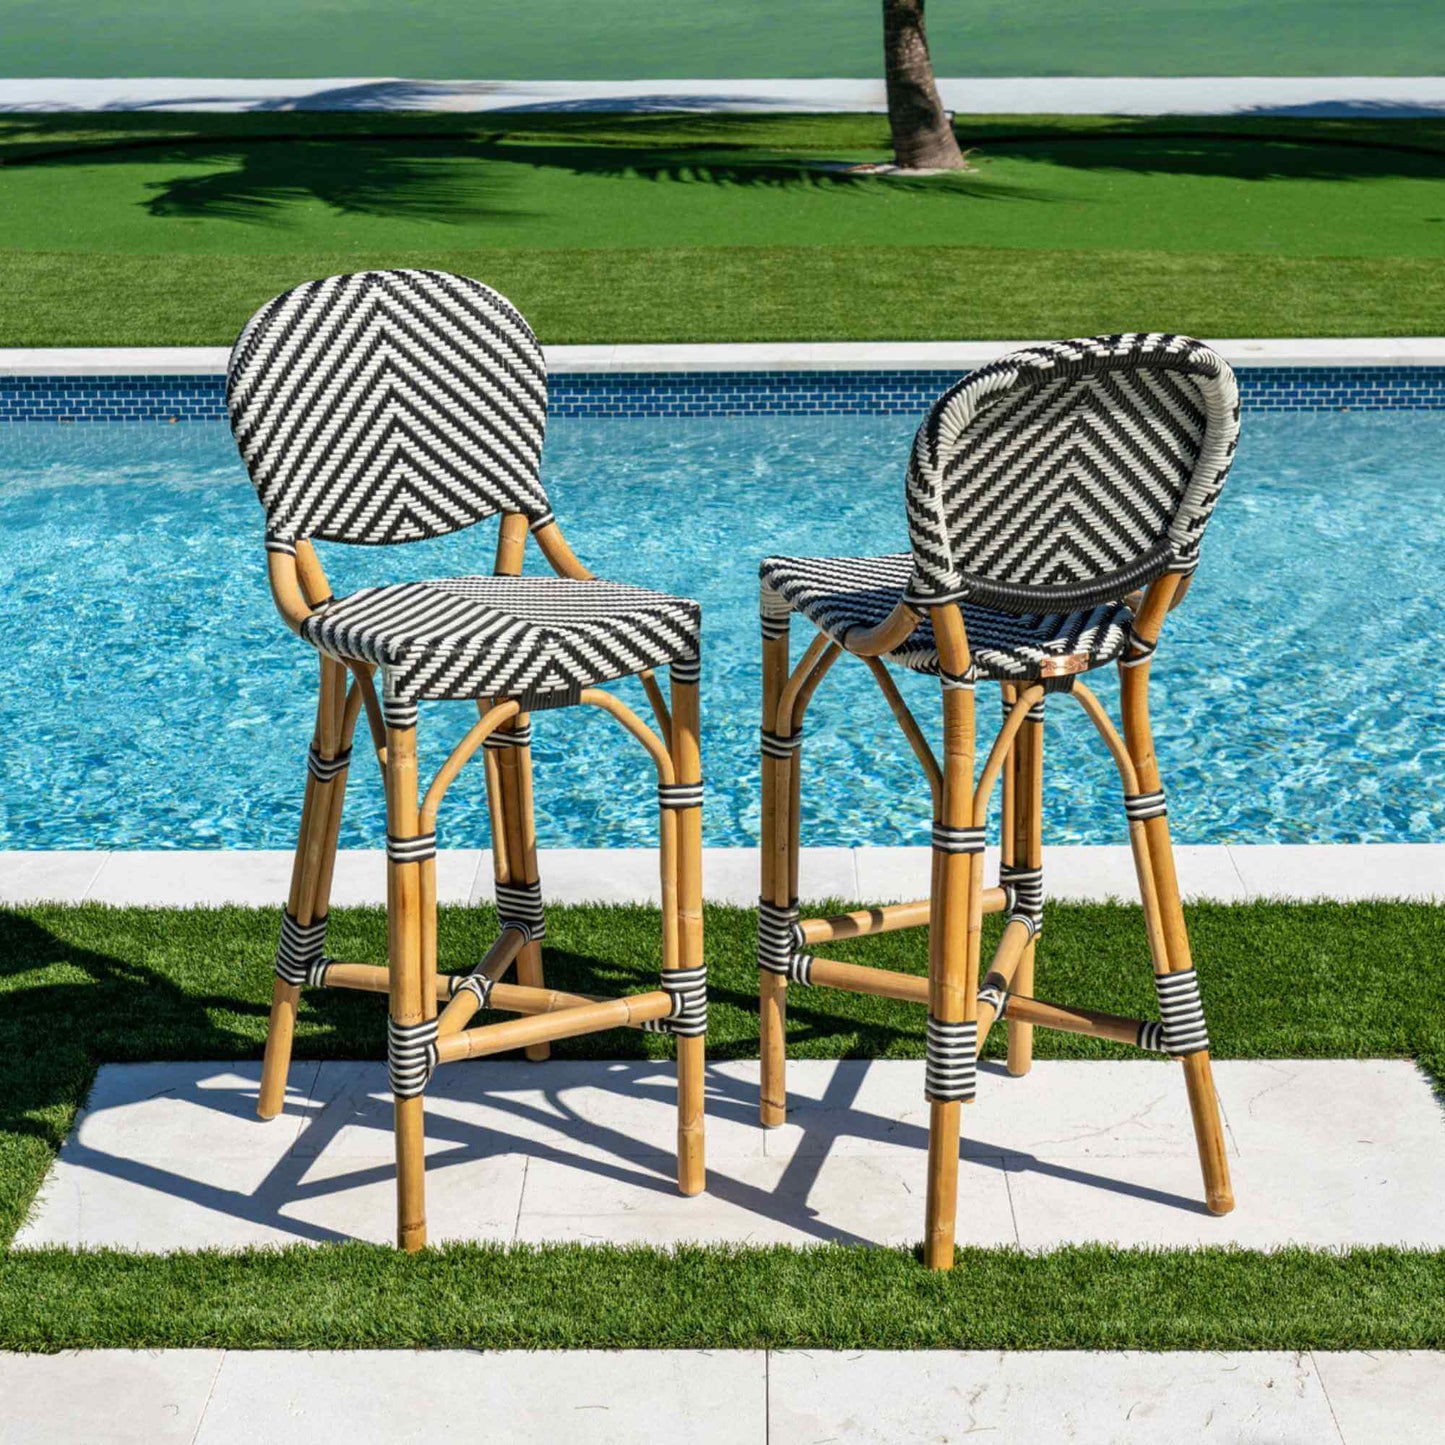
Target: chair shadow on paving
<point>120,1010</point>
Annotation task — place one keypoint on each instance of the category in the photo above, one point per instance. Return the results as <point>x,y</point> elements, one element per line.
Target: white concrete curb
<point>991,95</point>
<point>1232,874</point>
<point>957,356</point>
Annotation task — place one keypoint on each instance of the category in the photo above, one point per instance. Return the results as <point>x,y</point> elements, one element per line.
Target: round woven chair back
<point>387,406</point>
<point>1065,475</point>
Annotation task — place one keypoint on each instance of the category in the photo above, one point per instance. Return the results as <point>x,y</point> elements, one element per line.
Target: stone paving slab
<point>1085,873</point>
<point>741,1397</point>
<point>1324,1153</point>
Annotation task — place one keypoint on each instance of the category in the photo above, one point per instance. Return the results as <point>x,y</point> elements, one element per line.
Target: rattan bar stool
<point>1056,500</point>
<point>385,407</point>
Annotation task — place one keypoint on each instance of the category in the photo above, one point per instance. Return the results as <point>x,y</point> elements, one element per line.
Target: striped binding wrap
<point>1024,889</point>
<point>476,984</point>
<point>411,1055</point>
<point>687,672</point>
<point>1181,1029</point>
<point>780,942</point>
<point>398,716</point>
<point>416,849</point>
<point>679,795</point>
<point>300,954</point>
<point>324,770</point>
<point>513,738</point>
<point>547,519</point>
<point>519,905</point>
<point>774,613</point>
<point>995,995</point>
<point>957,840</point>
<point>774,745</point>
<point>1034,715</point>
<point>281,545</point>
<point>688,1016</point>
<point>1139,651</point>
<point>1139,807</point>
<point>959,681</point>
<point>950,1069</point>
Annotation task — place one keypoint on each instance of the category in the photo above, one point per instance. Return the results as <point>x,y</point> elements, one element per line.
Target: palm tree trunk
<point>922,136</point>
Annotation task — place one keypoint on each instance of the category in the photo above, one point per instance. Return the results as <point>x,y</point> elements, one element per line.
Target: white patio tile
<point>1345,871</point>
<point>1324,1153</point>
<point>43,877</point>
<point>359,879</point>
<point>901,875</point>
<point>851,1199</point>
<point>591,875</point>
<point>1393,1397</point>
<point>557,1108</point>
<point>200,878</point>
<point>1065,1109</point>
<point>105,1397</point>
<point>1086,873</point>
<point>583,1397</point>
<point>947,1396</point>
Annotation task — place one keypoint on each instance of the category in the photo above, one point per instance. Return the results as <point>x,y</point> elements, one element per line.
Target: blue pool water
<point>155,700</point>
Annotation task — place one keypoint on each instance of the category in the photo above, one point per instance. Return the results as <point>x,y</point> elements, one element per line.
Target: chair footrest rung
<point>886,918</point>
<point>587,1017</point>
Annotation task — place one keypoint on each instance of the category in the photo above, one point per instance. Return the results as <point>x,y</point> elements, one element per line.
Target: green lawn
<point>146,229</point>
<point>79,986</point>
<point>646,39</point>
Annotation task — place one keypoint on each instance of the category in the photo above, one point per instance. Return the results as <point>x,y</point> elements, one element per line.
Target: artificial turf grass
<point>171,230</point>
<point>103,984</point>
<point>354,1296</point>
<point>718,294</point>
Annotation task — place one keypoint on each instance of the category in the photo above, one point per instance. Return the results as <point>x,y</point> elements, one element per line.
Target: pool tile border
<point>1231,873</point>
<point>192,397</point>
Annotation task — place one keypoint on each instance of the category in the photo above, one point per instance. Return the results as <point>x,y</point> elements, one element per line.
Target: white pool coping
<point>1328,95</point>
<point>957,356</point>
<point>1233,873</point>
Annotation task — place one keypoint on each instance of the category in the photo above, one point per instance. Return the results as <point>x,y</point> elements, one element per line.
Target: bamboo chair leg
<point>516,775</point>
<point>1028,850</point>
<point>1198,1073</point>
<point>686,950</point>
<point>406,990</point>
<point>1164,920</point>
<point>954,940</point>
<point>311,871</point>
<point>776,871</point>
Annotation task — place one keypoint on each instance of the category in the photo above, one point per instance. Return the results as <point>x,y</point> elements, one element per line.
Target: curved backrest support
<point>1070,474</point>
<point>386,406</point>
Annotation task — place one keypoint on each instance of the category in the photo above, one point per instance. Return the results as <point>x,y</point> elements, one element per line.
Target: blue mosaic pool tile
<point>719,393</point>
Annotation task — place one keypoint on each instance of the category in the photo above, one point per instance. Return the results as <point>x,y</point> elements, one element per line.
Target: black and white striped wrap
<point>509,738</point>
<point>475,983</point>
<point>416,849</point>
<point>1034,715</point>
<point>1024,890</point>
<point>398,716</point>
<point>688,1016</point>
<point>686,670</point>
<point>519,905</point>
<point>1140,807</point>
<point>957,840</point>
<point>679,795</point>
<point>1181,1028</point>
<point>775,745</point>
<point>951,1065</point>
<point>324,770</point>
<point>774,613</point>
<point>996,996</point>
<point>780,942</point>
<point>411,1055</point>
<point>300,953</point>
<point>1139,651</point>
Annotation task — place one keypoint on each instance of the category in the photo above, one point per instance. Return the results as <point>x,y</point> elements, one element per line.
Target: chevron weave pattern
<point>839,593</point>
<point>387,406</point>
<point>1069,474</point>
<point>530,637</point>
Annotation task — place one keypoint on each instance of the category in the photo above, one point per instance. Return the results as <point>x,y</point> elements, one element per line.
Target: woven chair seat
<point>837,594</point>
<point>537,638</point>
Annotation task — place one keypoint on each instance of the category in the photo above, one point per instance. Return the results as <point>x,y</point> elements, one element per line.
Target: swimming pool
<point>155,699</point>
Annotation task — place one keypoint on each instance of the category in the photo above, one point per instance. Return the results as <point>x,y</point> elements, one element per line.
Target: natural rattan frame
<point>417,992</point>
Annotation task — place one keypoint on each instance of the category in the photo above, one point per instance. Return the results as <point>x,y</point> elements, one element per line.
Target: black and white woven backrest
<point>1069,474</point>
<point>386,406</point>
